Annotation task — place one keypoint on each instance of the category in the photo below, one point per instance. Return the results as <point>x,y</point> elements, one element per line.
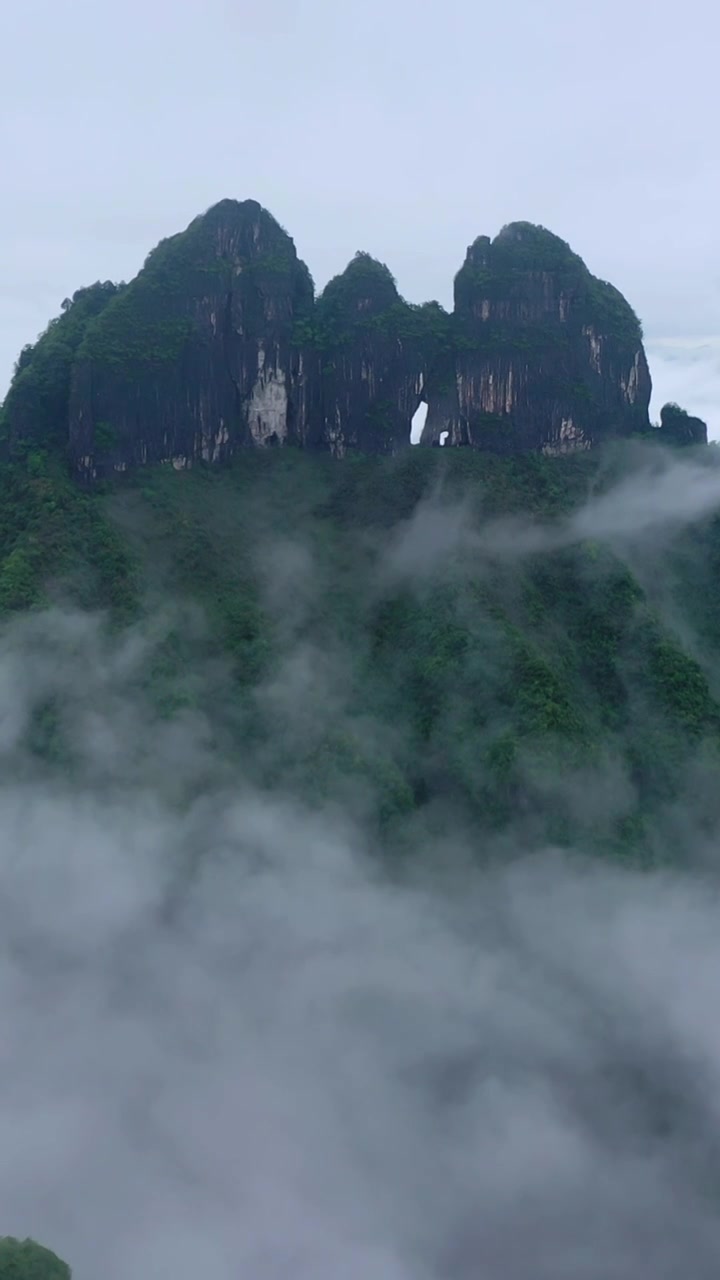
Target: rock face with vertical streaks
<point>196,358</point>
<point>545,356</point>
<point>373,351</point>
<point>219,345</point>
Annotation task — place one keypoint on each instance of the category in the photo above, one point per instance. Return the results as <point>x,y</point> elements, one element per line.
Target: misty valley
<point>359,799</point>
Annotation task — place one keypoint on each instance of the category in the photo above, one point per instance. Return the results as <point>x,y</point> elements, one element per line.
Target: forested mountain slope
<point>497,644</point>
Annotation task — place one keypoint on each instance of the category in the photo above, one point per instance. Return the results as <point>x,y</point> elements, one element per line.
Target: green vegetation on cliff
<point>526,246</point>
<point>26,1260</point>
<point>154,317</point>
<point>611,312</point>
<point>364,300</point>
<point>522,252</point>
<point>35,411</point>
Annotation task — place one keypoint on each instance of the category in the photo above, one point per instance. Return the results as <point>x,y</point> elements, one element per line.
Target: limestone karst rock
<point>678,427</point>
<point>196,358</point>
<point>373,354</point>
<point>219,344</point>
<point>546,357</point>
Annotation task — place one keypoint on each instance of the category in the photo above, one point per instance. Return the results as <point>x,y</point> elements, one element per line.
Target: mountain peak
<point>219,344</point>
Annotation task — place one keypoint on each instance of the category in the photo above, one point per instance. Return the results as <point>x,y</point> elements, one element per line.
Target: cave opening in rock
<point>418,422</point>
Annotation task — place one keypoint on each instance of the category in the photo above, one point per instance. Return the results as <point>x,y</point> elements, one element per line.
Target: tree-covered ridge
<point>364,289</point>
<point>26,1260</point>
<point>527,246</point>
<point>364,300</point>
<point>36,407</point>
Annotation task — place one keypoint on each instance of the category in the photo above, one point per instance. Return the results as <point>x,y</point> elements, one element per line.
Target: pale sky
<point>368,126</point>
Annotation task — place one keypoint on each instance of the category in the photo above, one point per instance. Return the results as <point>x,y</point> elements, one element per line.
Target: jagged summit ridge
<point>219,344</point>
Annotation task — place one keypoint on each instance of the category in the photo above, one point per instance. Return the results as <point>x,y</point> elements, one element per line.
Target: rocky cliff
<point>677,427</point>
<point>219,344</point>
<point>546,357</point>
<point>372,355</point>
<point>197,356</point>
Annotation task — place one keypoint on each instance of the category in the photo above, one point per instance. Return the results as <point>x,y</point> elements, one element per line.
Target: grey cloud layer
<point>659,496</point>
<point>284,1067</point>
